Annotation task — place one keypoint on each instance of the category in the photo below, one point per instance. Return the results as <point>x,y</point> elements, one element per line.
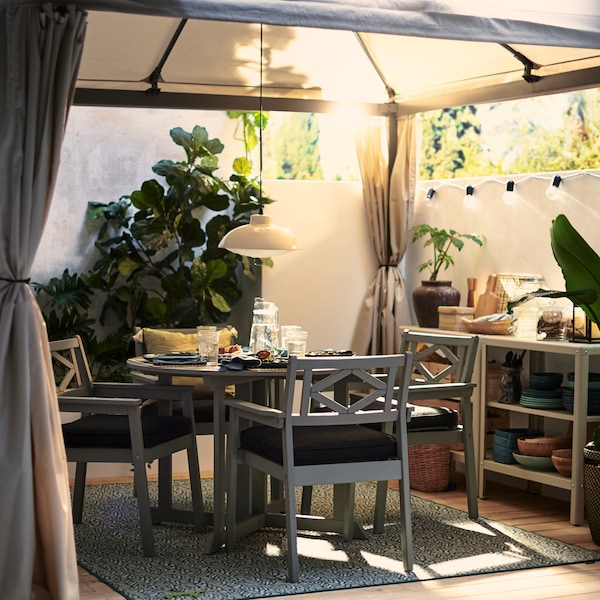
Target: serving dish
<point>535,463</point>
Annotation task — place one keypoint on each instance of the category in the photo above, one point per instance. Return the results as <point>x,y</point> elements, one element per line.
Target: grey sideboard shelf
<point>573,357</point>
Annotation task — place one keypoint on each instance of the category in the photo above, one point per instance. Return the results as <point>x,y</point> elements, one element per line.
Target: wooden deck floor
<point>542,515</point>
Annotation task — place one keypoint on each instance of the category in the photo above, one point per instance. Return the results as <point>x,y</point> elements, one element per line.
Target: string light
<point>510,196</point>
<point>469,199</point>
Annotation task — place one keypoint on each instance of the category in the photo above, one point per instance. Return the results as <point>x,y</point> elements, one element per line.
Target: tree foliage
<point>295,149</point>
<point>528,136</point>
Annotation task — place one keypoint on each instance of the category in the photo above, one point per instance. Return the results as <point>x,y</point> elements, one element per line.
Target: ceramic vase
<point>428,296</point>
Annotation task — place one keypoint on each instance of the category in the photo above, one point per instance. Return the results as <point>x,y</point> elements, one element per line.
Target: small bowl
<point>542,446</point>
<point>535,463</point>
<point>545,381</point>
<point>562,461</point>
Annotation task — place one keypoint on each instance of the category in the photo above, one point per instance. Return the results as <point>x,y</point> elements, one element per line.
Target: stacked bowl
<point>568,393</point>
<point>536,453</point>
<point>505,443</point>
<point>544,392</point>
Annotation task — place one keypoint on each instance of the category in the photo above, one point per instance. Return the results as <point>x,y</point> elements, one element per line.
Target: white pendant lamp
<point>260,238</point>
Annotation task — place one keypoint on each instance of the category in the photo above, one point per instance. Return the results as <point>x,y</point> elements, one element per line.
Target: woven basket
<point>429,467</point>
<point>591,485</point>
<point>503,327</point>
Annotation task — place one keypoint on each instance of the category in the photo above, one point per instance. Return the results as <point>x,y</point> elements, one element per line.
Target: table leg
<point>216,539</point>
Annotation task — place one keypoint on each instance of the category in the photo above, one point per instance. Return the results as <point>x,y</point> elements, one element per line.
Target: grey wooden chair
<point>110,428</point>
<point>327,439</point>
<point>454,358</point>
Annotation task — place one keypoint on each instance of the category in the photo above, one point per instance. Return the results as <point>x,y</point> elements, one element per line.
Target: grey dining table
<point>254,384</point>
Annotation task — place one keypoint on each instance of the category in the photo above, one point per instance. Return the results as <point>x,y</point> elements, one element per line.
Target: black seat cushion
<point>430,418</point>
<point>112,431</point>
<point>328,444</point>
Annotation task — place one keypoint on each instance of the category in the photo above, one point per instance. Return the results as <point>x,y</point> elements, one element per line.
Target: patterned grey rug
<point>446,543</point>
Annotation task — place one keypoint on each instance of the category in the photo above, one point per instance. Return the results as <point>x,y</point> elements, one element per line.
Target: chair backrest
<point>71,369</point>
<point>328,389</point>
<point>439,358</point>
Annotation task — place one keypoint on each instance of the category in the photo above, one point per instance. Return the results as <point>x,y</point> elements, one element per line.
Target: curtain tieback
<point>15,280</point>
<point>388,265</point>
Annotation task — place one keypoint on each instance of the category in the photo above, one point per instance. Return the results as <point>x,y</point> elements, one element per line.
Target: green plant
<point>442,241</point>
<point>596,439</point>
<point>160,261</point>
<point>65,302</point>
<point>580,266</point>
<point>160,264</point>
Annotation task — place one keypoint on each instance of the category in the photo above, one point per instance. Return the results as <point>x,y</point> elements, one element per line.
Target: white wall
<point>321,287</point>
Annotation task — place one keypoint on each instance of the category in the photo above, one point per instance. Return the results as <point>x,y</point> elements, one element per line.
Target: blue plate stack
<point>593,393</point>
<point>545,392</point>
<point>505,443</point>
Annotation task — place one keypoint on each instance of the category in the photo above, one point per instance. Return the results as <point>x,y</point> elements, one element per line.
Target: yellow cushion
<point>159,341</point>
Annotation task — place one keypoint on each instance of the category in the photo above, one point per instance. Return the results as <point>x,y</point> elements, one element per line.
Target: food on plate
<point>230,349</point>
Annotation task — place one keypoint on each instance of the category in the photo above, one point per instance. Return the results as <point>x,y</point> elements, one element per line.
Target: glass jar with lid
<point>526,314</point>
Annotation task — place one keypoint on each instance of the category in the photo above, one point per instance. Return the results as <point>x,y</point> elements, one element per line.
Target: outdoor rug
<point>446,544</point>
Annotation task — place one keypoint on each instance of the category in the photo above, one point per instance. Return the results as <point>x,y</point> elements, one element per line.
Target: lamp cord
<point>260,126</point>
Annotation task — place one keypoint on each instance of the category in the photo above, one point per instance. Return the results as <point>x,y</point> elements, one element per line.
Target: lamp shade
<point>259,239</point>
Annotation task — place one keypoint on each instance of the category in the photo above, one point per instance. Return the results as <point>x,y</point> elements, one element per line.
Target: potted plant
<point>433,292</point>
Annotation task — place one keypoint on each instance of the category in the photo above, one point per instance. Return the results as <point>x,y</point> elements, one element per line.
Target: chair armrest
<point>138,377</point>
<point>88,404</point>
<point>444,391</point>
<point>145,391</point>
<point>256,412</point>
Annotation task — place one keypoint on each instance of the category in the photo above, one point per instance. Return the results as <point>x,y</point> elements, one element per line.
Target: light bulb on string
<point>510,195</point>
<point>428,196</point>
<point>553,193</point>
<point>469,199</point>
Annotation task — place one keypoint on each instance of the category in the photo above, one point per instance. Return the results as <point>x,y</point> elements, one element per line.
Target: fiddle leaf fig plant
<point>160,263</point>
<point>442,242</point>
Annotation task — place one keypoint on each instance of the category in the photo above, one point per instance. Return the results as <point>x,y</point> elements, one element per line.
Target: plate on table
<point>175,358</point>
<point>317,353</point>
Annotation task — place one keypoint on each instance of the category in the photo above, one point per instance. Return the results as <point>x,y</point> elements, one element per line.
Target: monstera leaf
<point>580,266</point>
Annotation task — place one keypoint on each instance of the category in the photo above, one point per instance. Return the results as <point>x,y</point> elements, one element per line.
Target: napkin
<point>239,363</point>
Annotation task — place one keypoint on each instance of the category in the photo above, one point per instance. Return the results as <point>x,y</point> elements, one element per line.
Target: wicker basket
<point>452,317</point>
<point>503,327</point>
<point>591,485</point>
<point>429,467</point>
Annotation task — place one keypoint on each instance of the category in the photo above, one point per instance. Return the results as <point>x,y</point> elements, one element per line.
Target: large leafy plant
<point>580,266</point>
<point>442,242</point>
<point>160,262</point>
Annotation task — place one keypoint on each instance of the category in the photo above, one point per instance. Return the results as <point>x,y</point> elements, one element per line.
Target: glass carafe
<point>264,334</point>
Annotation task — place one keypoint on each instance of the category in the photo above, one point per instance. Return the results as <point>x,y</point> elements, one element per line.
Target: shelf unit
<point>577,355</point>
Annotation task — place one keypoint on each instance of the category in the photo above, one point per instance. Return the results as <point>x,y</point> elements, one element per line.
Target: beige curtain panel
<point>40,49</point>
<point>388,167</point>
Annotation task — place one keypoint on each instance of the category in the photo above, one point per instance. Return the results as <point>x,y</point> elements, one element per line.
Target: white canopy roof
<point>420,54</point>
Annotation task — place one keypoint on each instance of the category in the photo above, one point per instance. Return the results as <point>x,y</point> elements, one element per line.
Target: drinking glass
<point>296,342</point>
<point>284,330</point>
<point>208,344</point>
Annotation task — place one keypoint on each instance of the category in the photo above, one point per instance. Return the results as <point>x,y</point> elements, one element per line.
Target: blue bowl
<point>545,381</point>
